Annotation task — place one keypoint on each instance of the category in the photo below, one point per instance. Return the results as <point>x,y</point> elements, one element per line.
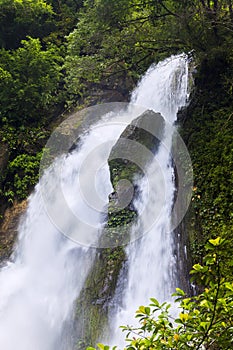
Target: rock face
<point>127,161</point>
<point>4,157</point>
<point>8,229</point>
<point>9,217</point>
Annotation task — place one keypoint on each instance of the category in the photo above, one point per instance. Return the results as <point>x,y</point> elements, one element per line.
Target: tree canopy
<point>19,18</point>
<point>128,35</point>
<point>28,82</point>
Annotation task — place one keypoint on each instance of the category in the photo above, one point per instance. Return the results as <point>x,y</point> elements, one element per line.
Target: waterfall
<point>63,222</point>
<point>151,261</point>
<point>47,272</point>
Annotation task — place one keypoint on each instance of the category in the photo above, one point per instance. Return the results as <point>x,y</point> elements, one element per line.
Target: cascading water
<point>151,261</point>
<point>47,271</point>
<point>39,287</point>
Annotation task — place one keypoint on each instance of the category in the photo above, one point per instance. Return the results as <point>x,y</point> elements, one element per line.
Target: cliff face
<point>8,217</point>
<point>206,128</point>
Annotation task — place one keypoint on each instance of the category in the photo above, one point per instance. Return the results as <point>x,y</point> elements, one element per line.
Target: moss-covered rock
<point>93,303</point>
<point>207,127</point>
<point>127,161</point>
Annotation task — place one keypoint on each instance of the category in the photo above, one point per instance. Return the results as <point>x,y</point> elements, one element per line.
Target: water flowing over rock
<point>95,299</point>
<point>151,259</point>
<point>65,284</point>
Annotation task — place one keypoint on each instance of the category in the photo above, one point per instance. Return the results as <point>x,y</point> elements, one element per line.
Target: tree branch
<point>169,11</point>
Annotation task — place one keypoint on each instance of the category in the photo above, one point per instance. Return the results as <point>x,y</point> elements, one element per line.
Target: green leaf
<point>177,320</point>
<point>204,325</point>
<point>197,267</point>
<point>155,302</point>
<point>229,286</point>
<point>215,242</point>
<point>101,346</point>
<point>184,317</point>
<point>141,309</point>
<point>179,292</point>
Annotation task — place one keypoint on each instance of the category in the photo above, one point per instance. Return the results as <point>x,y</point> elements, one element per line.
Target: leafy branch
<point>204,320</point>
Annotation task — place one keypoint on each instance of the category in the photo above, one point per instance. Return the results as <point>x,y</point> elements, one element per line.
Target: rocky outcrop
<point>127,161</point>
<point>94,301</point>
<point>8,228</point>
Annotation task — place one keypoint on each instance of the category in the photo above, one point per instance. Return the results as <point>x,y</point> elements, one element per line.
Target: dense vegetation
<point>54,52</point>
<point>32,35</point>
<point>205,321</point>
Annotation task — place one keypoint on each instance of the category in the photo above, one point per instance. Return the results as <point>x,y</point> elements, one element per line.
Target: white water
<point>39,286</point>
<point>151,262</point>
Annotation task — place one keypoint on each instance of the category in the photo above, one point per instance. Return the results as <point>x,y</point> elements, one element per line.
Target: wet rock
<point>8,228</point>
<point>127,161</point>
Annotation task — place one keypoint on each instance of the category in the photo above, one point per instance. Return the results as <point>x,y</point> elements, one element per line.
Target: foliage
<point>205,320</point>
<point>24,173</point>
<point>23,139</point>
<point>207,130</point>
<point>64,20</point>
<point>213,162</point>
<point>19,18</point>
<point>48,20</point>
<point>29,79</point>
<point>21,174</point>
<point>125,23</point>
<point>142,32</point>
<point>32,33</point>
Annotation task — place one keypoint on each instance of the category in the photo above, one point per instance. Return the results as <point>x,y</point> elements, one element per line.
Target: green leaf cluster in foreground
<point>205,321</point>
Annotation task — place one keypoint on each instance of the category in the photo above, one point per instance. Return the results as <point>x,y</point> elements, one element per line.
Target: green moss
<point>122,169</point>
<point>93,303</point>
<point>207,131</point>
